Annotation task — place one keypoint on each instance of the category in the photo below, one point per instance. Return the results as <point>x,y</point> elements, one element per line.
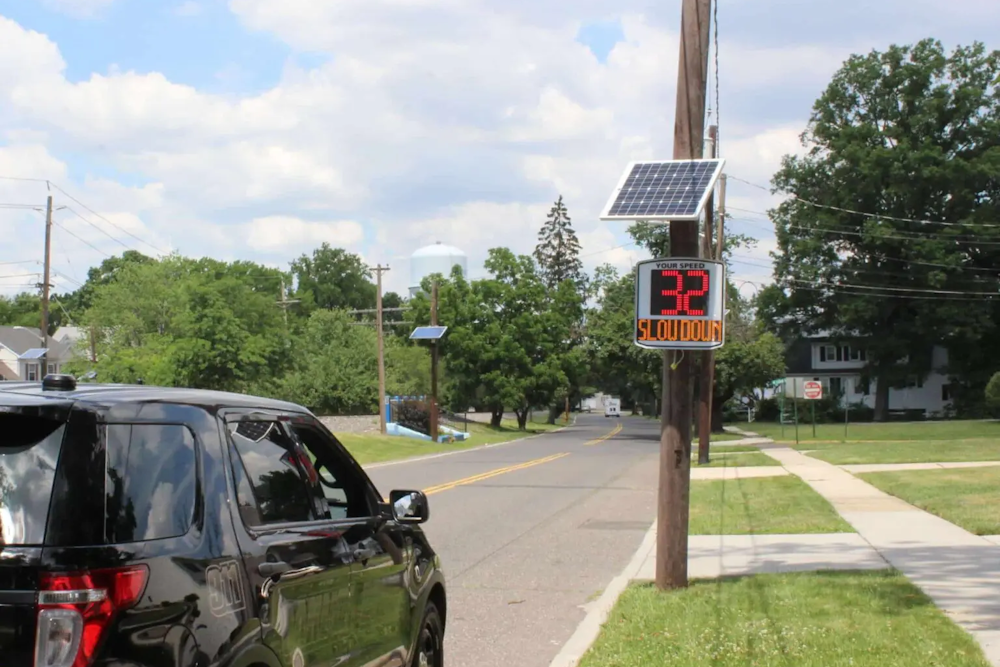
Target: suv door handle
<point>272,568</point>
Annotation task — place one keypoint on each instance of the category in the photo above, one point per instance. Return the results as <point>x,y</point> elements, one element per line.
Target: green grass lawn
<point>375,447</point>
<point>738,456</point>
<point>815,619</point>
<point>968,498</point>
<point>772,505</point>
<point>921,451</point>
<point>863,432</point>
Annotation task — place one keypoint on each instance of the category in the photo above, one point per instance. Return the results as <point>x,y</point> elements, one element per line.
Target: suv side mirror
<point>409,506</point>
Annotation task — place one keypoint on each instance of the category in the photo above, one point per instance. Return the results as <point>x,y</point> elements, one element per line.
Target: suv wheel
<point>430,644</point>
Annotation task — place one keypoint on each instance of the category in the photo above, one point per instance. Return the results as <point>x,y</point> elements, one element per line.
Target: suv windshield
<point>29,450</point>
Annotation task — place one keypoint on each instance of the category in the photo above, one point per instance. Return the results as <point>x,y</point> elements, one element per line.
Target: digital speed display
<point>679,304</point>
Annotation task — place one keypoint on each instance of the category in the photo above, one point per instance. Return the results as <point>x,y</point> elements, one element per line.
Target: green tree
<point>558,250</point>
<point>184,322</point>
<point>506,337</point>
<point>76,303</point>
<point>333,278</point>
<point>408,368</point>
<point>906,135</point>
<point>21,310</point>
<point>620,367</point>
<point>993,394</point>
<point>335,369</point>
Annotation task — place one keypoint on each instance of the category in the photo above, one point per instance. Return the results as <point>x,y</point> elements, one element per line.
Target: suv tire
<point>430,645</point>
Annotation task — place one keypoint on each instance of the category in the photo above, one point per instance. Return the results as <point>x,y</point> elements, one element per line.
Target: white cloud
<point>280,232</point>
<point>78,8</point>
<point>451,120</point>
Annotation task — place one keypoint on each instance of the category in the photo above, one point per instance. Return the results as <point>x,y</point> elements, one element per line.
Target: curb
<point>590,627</point>
<point>428,457</point>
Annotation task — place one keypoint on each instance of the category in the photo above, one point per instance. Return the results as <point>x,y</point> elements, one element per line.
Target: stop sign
<point>813,390</point>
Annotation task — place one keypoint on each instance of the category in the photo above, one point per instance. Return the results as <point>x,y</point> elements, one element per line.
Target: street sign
<point>679,304</point>
<point>812,390</point>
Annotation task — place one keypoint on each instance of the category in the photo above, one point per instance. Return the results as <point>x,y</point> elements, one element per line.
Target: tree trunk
<point>882,397</point>
<point>496,417</point>
<point>522,418</point>
<point>554,412</point>
<point>717,418</point>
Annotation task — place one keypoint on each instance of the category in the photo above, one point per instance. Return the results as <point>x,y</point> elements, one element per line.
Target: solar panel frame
<point>439,330</point>
<point>665,216</point>
<point>34,353</point>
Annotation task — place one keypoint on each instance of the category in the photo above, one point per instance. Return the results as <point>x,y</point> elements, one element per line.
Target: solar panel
<point>34,353</point>
<point>428,333</point>
<point>674,190</point>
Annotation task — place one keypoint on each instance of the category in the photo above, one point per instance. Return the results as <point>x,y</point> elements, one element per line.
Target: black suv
<point>154,527</point>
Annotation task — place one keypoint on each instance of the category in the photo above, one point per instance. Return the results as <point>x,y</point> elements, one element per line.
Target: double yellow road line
<point>511,468</point>
<point>607,436</point>
<point>492,473</point>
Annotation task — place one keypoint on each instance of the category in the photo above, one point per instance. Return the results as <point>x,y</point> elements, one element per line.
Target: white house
<point>839,365</point>
<point>21,352</point>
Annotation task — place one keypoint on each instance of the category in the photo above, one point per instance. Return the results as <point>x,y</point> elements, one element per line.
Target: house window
<point>829,353</point>
<point>836,386</point>
<point>32,372</point>
<point>53,369</point>
<point>861,387</point>
<point>914,382</point>
<point>858,354</point>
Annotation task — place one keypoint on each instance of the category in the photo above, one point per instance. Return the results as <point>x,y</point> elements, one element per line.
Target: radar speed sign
<point>679,304</point>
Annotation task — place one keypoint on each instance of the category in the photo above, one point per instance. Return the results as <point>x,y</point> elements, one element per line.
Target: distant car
<point>612,408</point>
<point>146,526</point>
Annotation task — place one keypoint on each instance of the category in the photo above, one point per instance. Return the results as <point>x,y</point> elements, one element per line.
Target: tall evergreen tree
<point>558,250</point>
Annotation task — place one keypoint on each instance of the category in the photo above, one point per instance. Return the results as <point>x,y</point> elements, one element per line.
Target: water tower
<point>436,258</point>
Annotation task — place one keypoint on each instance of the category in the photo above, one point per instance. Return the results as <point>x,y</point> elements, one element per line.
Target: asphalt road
<point>530,532</point>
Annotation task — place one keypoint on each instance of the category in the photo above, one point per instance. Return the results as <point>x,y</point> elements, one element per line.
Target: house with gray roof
<point>22,350</point>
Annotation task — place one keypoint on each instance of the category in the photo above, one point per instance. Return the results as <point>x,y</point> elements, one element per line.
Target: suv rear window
<point>29,451</point>
<point>151,482</point>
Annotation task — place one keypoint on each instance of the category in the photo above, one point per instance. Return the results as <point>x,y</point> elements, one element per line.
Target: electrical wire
<point>100,229</point>
<point>101,217</point>
<point>81,240</point>
<point>877,216</point>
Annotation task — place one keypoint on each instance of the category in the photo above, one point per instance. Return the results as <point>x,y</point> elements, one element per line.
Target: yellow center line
<point>492,473</point>
<point>615,431</point>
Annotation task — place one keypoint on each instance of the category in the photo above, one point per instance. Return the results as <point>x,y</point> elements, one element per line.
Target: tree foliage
<point>333,278</point>
<point>507,337</point>
<point>183,322</point>
<point>993,394</point>
<point>558,251</point>
<point>907,135</point>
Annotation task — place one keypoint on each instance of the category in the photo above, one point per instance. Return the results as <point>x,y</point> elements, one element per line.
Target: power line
<point>17,178</point>
<point>877,216</point>
<point>809,286</point>
<point>101,230</point>
<point>101,217</point>
<point>81,240</point>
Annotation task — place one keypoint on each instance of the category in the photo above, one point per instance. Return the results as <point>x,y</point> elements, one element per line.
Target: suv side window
<point>271,485</point>
<point>150,482</point>
<point>345,491</point>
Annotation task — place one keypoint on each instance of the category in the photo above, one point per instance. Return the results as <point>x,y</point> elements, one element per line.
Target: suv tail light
<point>75,610</point>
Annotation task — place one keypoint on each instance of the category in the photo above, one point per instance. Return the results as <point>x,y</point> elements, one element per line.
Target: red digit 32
<point>682,296</point>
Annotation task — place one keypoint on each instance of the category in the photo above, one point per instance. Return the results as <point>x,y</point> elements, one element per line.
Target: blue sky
<point>260,128</point>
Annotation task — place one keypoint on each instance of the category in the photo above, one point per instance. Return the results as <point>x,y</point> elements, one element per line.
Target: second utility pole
<point>675,433</point>
<point>379,270</point>
<point>46,276</point>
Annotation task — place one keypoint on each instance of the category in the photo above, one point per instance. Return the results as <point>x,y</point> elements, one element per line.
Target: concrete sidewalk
<point>892,467</point>
<point>711,556</point>
<point>958,570</point>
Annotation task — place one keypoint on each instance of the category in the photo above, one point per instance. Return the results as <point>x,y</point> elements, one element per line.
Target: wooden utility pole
<point>434,364</point>
<point>46,277</point>
<point>707,379</point>
<point>285,302</point>
<point>675,434</point>
<point>379,270</point>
